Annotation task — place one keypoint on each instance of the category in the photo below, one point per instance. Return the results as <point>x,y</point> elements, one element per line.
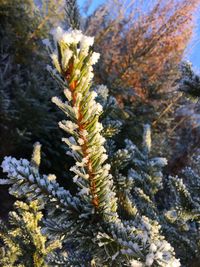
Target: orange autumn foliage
<point>141,44</point>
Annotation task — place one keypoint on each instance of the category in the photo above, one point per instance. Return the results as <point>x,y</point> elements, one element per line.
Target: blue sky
<point>94,4</point>
<point>194,55</point>
<point>194,47</point>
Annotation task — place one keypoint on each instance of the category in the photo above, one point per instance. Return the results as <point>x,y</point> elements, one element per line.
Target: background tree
<point>25,88</point>
<point>142,43</point>
<point>25,109</point>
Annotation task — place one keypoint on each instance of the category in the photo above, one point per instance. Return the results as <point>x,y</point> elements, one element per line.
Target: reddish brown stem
<point>84,146</point>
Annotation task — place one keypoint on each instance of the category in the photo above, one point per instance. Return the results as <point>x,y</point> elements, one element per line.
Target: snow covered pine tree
<point>88,223</point>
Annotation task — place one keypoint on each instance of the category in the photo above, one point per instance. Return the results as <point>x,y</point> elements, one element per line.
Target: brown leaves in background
<point>141,44</point>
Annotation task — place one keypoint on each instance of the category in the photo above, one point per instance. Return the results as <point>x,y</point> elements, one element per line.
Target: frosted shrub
<point>87,224</point>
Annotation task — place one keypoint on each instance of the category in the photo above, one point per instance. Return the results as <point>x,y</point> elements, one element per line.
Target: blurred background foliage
<point>26,112</point>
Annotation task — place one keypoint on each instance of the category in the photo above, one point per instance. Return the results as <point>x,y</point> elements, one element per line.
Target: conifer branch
<point>72,14</point>
<point>24,241</point>
<point>33,185</point>
<point>74,61</point>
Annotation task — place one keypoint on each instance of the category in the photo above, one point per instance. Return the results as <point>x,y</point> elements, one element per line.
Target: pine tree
<point>183,215</point>
<point>172,201</point>
<point>24,244</point>
<point>189,81</point>
<point>26,113</point>
<point>72,16</point>
<point>185,131</point>
<point>88,223</point>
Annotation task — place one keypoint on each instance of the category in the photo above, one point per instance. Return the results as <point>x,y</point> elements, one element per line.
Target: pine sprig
<point>24,241</point>
<point>86,142</point>
<point>72,14</point>
<point>25,181</point>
